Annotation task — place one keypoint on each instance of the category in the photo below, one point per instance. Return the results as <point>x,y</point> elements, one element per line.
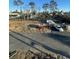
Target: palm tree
<point>53,5</point>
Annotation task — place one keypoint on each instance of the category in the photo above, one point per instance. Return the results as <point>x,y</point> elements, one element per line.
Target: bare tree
<point>33,11</point>
<point>32,5</point>
<point>53,5</point>
<point>45,7</point>
<point>18,3</point>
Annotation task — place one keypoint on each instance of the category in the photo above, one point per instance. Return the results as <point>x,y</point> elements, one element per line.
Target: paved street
<point>52,42</point>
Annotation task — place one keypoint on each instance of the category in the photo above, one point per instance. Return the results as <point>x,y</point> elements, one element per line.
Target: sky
<point>62,5</point>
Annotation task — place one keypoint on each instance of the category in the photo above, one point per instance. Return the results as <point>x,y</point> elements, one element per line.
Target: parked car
<point>54,27</point>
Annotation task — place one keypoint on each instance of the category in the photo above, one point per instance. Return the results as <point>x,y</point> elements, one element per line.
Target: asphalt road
<point>55,42</point>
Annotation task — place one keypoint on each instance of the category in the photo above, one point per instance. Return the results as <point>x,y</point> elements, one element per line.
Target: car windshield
<point>58,27</point>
